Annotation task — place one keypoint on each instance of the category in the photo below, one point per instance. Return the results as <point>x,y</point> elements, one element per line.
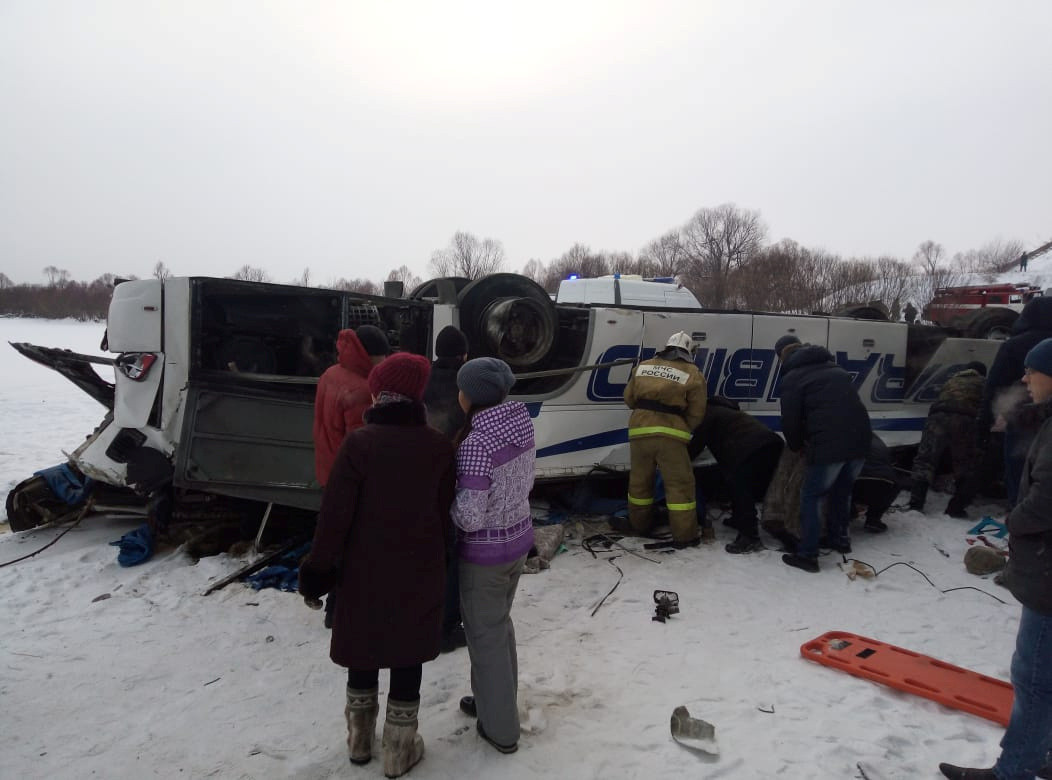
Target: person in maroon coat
<point>379,547</point>
<point>343,393</point>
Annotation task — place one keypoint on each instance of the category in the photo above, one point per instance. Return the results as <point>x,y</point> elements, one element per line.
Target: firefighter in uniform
<point>667,397</point>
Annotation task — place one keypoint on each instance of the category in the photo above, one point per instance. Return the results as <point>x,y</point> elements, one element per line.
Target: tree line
<point>722,254</point>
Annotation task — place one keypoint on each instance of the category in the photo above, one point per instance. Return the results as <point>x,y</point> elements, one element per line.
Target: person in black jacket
<point>876,486</point>
<point>747,452</point>
<point>441,397</point>
<point>1003,392</point>
<point>823,415</point>
<point>1028,738</point>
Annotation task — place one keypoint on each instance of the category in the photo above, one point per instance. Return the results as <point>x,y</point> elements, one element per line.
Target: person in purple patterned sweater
<point>495,462</point>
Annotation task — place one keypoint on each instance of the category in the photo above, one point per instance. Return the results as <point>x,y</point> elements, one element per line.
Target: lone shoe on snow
<point>964,773</point>
<point>800,562</point>
<point>403,747</point>
<point>875,526</point>
<point>467,706</point>
<point>744,544</point>
<point>502,748</point>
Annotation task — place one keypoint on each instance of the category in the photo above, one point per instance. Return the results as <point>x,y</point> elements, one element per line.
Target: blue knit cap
<point>1040,358</point>
<point>486,381</point>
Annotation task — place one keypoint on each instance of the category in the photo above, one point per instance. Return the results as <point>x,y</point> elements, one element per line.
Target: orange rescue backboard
<point>912,672</point>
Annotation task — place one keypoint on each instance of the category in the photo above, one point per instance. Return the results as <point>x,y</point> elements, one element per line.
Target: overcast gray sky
<point>352,137</point>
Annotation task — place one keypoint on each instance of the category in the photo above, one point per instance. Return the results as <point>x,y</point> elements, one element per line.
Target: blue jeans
<point>1029,735</point>
<point>834,482</point>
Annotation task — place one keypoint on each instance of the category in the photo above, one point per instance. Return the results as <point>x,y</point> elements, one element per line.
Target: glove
<point>312,603</point>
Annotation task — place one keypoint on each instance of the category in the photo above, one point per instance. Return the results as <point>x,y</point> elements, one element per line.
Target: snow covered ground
<point>131,673</point>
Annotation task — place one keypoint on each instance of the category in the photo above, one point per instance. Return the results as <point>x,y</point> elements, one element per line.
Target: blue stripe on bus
<point>620,436</point>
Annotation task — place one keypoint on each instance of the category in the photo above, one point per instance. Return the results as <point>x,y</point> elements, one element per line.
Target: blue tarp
<point>66,484</point>
<point>283,574</point>
<point>136,546</point>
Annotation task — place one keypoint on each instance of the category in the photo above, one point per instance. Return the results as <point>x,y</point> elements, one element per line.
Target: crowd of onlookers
<point>831,461</point>
<point>425,520</point>
<point>423,532</point>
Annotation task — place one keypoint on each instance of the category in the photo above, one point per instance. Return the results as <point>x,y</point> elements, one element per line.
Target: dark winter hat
<point>402,373</point>
<point>1040,358</point>
<point>374,341</point>
<point>450,342</point>
<point>784,342</point>
<point>976,366</point>
<point>486,381</point>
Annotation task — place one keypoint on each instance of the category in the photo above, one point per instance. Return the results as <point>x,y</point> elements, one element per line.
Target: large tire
<point>991,323</point>
<point>31,503</point>
<point>510,317</point>
<point>445,289</point>
<point>864,311</point>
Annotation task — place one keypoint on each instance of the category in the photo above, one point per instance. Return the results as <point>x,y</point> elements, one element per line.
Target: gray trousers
<point>486,596</point>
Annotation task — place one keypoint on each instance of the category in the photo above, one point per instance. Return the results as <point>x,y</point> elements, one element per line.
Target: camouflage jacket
<point>962,394</point>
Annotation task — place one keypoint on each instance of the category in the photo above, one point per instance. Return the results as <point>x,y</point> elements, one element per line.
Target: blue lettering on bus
<point>929,383</point>
<point>890,386</point>
<point>859,369</point>
<point>745,374</point>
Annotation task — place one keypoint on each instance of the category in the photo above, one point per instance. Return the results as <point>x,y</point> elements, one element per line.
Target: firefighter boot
<point>918,493</point>
<point>361,712</point>
<point>403,747</point>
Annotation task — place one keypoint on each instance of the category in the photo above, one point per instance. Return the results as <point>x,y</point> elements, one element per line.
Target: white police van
<point>214,379</point>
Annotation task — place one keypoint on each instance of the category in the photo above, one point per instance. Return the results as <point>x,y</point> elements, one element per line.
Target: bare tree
<point>366,286</point>
<point>468,257</point>
<point>665,256</point>
<point>534,269</point>
<point>785,277</point>
<point>303,280</point>
<point>935,274</point>
<point>622,263</point>
<point>248,273</point>
<point>402,274</point>
<point>849,283</point>
<point>929,256</point>
<point>105,280</point>
<point>993,257</point>
<point>892,283</point>
<point>160,271</point>
<point>56,277</point>
<point>5,281</point>
<point>578,260</point>
<point>717,241</point>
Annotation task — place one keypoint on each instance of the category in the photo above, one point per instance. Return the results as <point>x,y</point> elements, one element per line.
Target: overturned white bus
<point>214,379</point>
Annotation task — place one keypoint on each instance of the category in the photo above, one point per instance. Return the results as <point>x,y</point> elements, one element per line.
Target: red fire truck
<point>981,311</point>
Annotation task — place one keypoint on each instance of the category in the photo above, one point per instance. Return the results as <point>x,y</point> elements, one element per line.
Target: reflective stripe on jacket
<point>675,390</point>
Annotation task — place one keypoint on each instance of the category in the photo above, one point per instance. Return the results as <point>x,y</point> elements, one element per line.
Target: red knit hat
<point>402,373</point>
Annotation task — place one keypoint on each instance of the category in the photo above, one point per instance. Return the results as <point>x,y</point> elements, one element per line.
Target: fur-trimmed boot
<point>361,711</point>
<point>403,747</point>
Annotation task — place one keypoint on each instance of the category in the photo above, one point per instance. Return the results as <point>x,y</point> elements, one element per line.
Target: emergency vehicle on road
<point>981,311</point>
